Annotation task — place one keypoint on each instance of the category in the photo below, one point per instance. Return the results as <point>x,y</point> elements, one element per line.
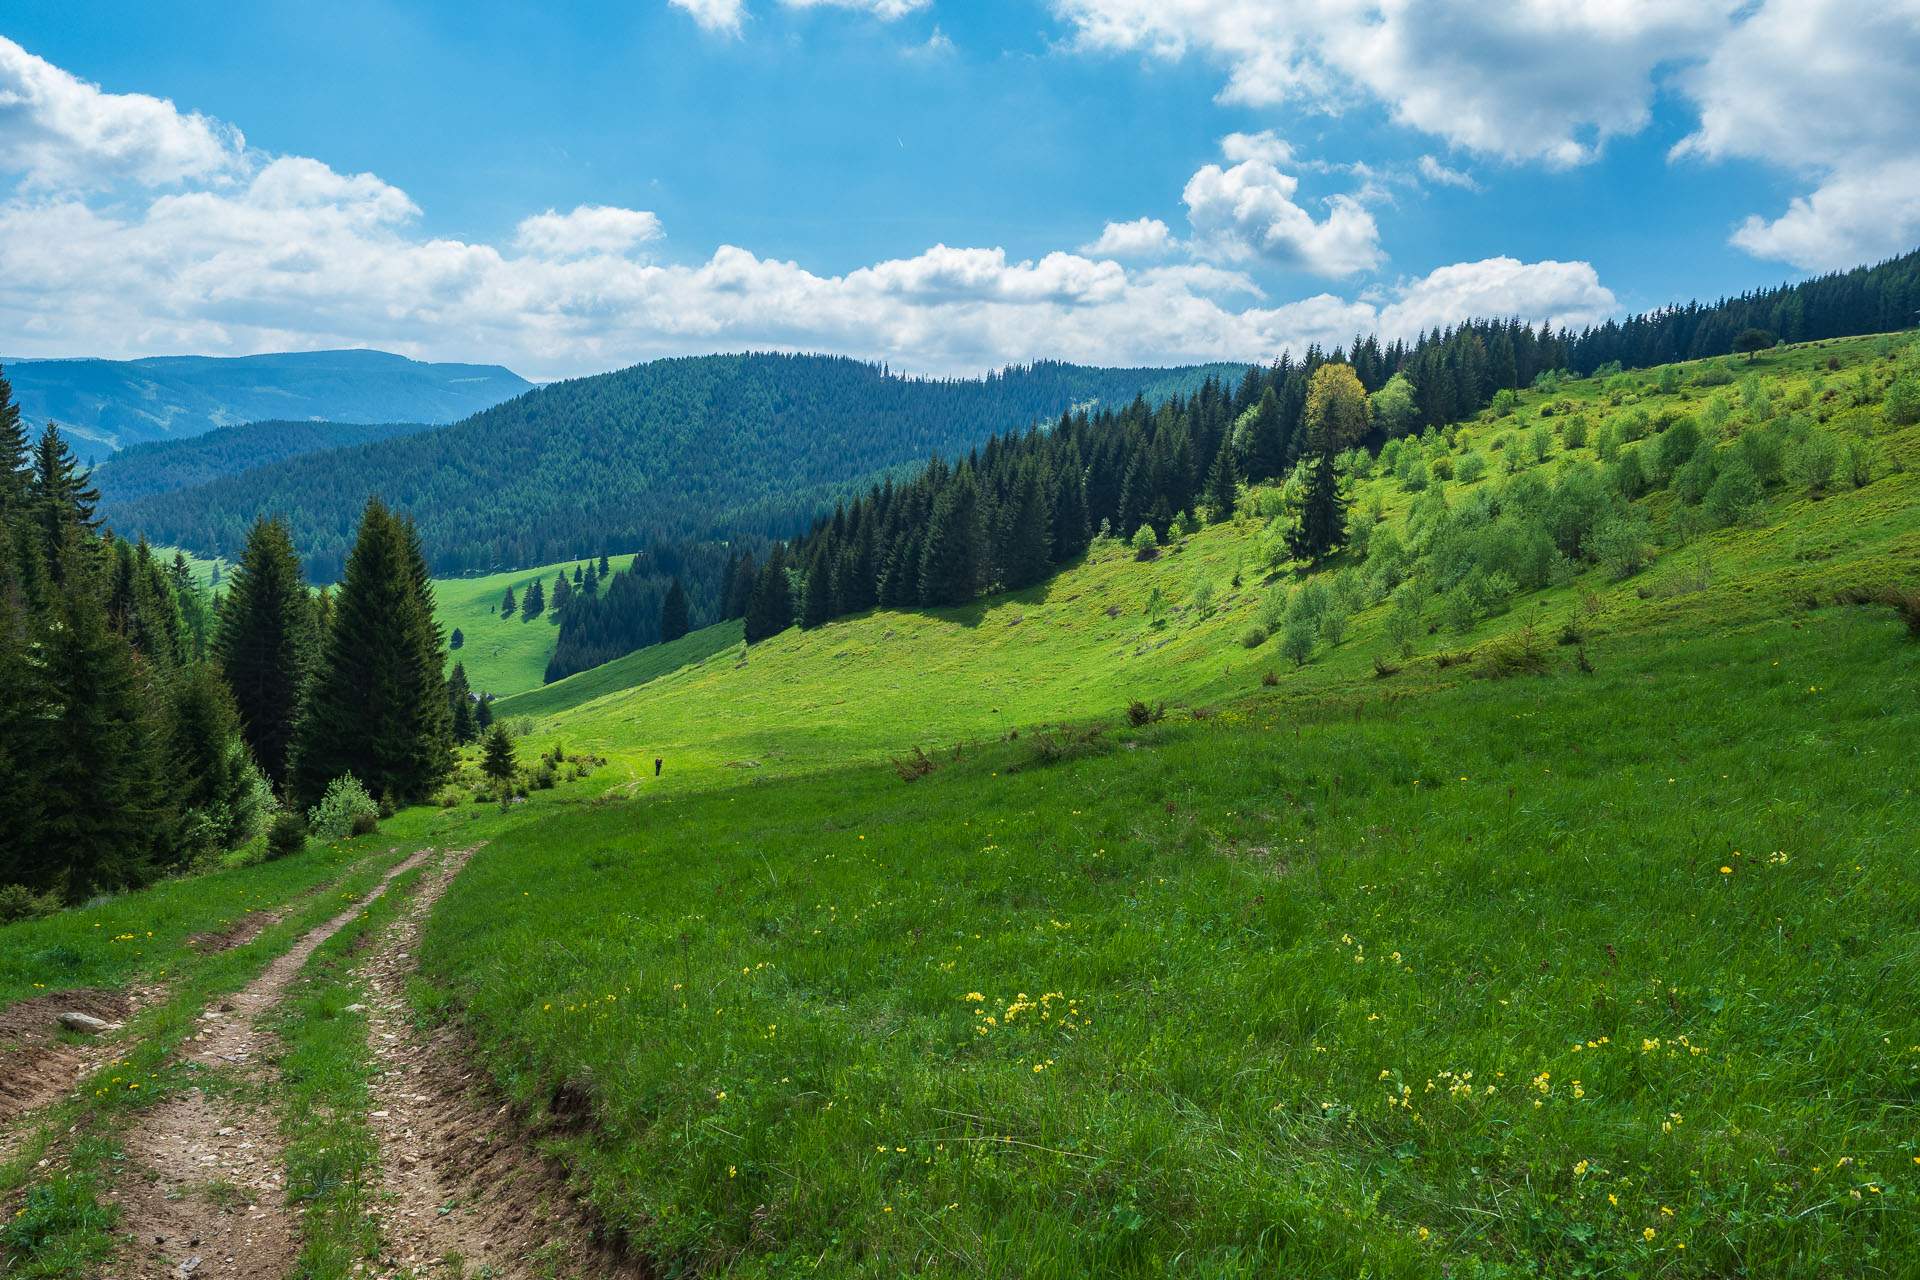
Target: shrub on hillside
<point>1140,714</point>
<point>1145,544</point>
<point>345,798</point>
<point>1574,434</point>
<point>1253,637</point>
<point>1902,406</point>
<point>286,836</point>
<point>1736,492</point>
<point>17,902</point>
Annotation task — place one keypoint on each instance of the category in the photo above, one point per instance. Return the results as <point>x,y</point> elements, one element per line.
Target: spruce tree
<point>106,814</point>
<point>457,640</point>
<point>740,588</point>
<point>264,642</point>
<point>206,763</point>
<point>507,603</point>
<point>816,597</point>
<point>62,503</point>
<point>24,754</point>
<point>673,613</point>
<point>770,608</point>
<point>498,762</point>
<point>953,559</point>
<point>1267,439</point>
<point>535,602</point>
<point>13,456</point>
<point>1223,483</point>
<point>483,713</point>
<point>1320,521</point>
<point>377,705</point>
<point>460,699</point>
<point>1072,524</point>
<point>562,592</point>
<point>606,569</point>
<point>1027,556</point>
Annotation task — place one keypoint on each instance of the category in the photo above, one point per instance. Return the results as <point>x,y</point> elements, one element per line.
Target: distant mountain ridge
<point>105,405</point>
<point>161,466</point>
<point>675,450</point>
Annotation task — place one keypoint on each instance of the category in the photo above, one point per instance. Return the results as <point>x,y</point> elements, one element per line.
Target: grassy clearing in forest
<point>503,655</point>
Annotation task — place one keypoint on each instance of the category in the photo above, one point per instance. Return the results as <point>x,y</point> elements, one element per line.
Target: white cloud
<point>1857,215</point>
<point>59,131</point>
<point>723,17</point>
<point>1532,81</point>
<point>257,253</point>
<point>1141,238</point>
<point>1825,89</point>
<point>1441,176</point>
<point>1828,89</point>
<point>1264,145</point>
<point>1559,293</point>
<point>589,229</point>
<point>1248,212</point>
<point>885,10</point>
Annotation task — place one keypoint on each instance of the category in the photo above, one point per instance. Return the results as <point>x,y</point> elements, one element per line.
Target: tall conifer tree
<point>264,642</point>
<point>673,613</point>
<point>377,702</point>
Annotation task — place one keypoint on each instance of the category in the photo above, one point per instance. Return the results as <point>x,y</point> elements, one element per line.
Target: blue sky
<point>924,181</point>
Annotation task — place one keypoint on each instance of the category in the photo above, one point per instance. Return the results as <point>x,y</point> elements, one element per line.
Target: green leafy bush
<point>332,818</point>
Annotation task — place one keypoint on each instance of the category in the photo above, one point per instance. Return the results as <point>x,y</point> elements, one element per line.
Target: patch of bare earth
<point>39,1064</point>
<point>460,1176</point>
<point>201,1194</point>
<point>40,1061</point>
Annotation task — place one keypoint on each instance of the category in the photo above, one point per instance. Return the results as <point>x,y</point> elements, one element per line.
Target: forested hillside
<point>674,450</point>
<point>103,405</point>
<point>161,466</point>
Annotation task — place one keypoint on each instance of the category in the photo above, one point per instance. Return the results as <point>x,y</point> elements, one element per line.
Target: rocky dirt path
<point>460,1178</point>
<point>39,1064</point>
<point>202,1194</point>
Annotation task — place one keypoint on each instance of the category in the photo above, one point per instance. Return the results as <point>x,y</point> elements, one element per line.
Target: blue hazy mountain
<point>104,405</point>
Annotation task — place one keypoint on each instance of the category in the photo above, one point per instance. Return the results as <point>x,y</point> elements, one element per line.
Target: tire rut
<point>459,1174</point>
<point>202,1194</point>
<point>39,1067</point>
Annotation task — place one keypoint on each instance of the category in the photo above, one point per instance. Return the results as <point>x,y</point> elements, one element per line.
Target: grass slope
<point>503,655</point>
<point>623,674</point>
<point>1600,973</point>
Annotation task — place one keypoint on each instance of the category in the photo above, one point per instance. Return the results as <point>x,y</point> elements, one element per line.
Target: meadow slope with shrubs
<point>1527,891</point>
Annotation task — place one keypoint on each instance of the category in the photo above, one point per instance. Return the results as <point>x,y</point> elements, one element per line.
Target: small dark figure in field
<point>656,766</point>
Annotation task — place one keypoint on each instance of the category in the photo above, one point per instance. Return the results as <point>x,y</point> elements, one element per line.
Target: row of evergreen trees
<point>143,726</point>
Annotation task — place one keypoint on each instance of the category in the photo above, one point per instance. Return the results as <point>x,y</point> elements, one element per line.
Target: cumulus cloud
<point>57,130</point>
<point>589,229</point>
<point>1532,81</point>
<point>1561,294</point>
<point>1264,145</point>
<point>1826,88</point>
<point>232,251</point>
<point>1822,88</point>
<point>723,17</point>
<point>1441,176</point>
<point>1141,238</point>
<point>1248,211</point>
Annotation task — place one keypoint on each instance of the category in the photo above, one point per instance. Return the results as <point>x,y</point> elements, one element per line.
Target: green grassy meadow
<point>1603,972</point>
<point>1387,963</point>
<point>503,655</point>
